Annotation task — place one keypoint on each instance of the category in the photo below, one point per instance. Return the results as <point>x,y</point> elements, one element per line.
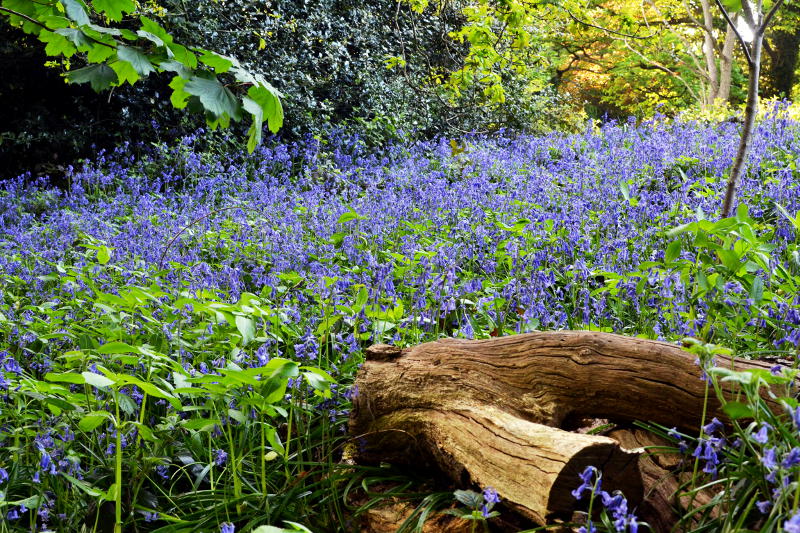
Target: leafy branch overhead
<point>134,48</point>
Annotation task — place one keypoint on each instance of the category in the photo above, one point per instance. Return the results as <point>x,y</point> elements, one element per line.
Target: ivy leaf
<point>76,10</point>
<point>100,77</point>
<point>114,9</point>
<point>215,97</point>
<point>139,61</point>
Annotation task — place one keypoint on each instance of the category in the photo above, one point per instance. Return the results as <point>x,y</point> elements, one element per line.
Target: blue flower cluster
<point>615,504</point>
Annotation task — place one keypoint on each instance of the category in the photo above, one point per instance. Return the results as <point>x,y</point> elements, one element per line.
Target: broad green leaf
<point>138,60</point>
<point>103,255</point>
<point>57,44</point>
<point>361,300</point>
<point>255,132</point>
<point>76,10</point>
<point>98,54</point>
<point>84,486</point>
<point>100,77</point>
<point>673,251</point>
<point>179,96</point>
<point>246,329</point>
<point>65,377</point>
<point>736,410</point>
<point>96,380</point>
<point>350,215</point>
<point>125,72</point>
<point>94,419</point>
<point>114,8</point>
<point>215,97</point>
<point>219,63</point>
<point>269,100</point>
<point>155,29</point>
<point>117,347</point>
<point>77,38</point>
<point>201,424</point>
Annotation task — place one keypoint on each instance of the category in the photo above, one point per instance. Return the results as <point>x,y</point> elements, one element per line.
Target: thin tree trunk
<point>726,66</point>
<point>708,52</point>
<point>750,113</point>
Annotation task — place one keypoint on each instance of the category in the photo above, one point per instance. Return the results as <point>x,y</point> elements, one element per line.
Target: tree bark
<point>490,412</point>
<point>726,65</point>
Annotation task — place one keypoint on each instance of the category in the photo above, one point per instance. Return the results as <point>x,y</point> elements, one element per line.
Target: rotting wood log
<point>491,412</point>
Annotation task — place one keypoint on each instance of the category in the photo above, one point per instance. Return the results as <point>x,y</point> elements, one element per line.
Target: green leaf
<point>361,300</point>
<point>82,485</point>
<point>219,63</point>
<point>736,410</point>
<point>96,380</point>
<point>201,424</point>
<point>103,255</point>
<point>114,8</point>
<point>215,97</point>
<point>65,377</point>
<point>154,29</point>
<point>94,419</point>
<point>125,72</point>
<point>471,499</point>
<point>255,132</point>
<point>757,290</point>
<point>246,329</point>
<point>269,100</point>
<point>77,38</point>
<point>117,347</point>
<point>138,60</point>
<point>57,44</point>
<point>673,251</point>
<point>179,97</point>
<point>76,10</point>
<point>350,215</point>
<point>732,6</point>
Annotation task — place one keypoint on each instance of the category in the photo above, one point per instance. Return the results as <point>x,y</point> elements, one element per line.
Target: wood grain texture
<point>489,412</point>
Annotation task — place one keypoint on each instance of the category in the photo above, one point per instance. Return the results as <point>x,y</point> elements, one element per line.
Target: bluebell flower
<point>713,426</point>
<point>764,506</point>
<point>762,436</point>
<point>793,524</point>
<point>220,457</point>
<point>792,458</point>
<point>490,495</point>
<point>226,527</point>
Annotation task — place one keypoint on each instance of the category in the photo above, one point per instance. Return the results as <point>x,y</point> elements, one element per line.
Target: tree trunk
<point>709,53</point>
<point>750,112</point>
<point>726,66</point>
<point>490,412</point>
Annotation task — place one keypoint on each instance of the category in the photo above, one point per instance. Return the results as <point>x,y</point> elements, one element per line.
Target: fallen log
<point>491,412</point>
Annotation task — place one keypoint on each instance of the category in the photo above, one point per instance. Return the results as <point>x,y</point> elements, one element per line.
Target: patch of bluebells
<point>272,224</point>
<point>614,505</point>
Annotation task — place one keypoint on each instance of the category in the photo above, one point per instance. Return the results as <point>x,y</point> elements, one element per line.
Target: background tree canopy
<point>386,67</point>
